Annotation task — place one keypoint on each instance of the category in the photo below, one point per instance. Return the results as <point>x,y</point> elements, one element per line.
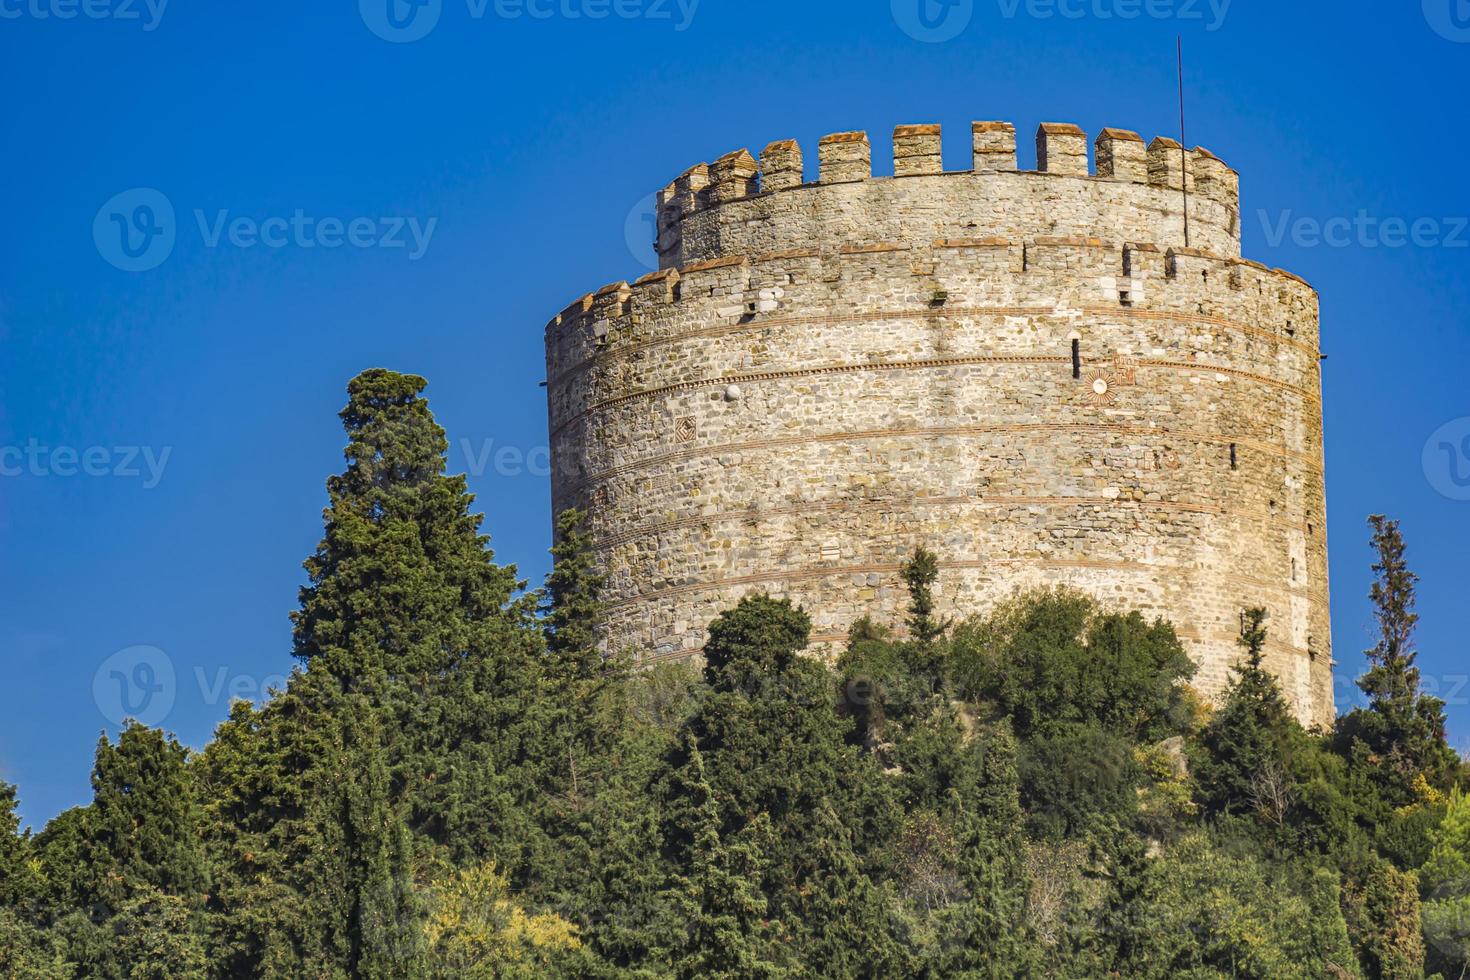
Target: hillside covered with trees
<point>456,783</point>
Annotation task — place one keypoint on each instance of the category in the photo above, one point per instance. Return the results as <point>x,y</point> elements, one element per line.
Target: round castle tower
<point>1029,373</point>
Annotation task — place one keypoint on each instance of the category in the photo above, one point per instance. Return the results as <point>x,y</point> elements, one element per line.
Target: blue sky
<point>169,430</point>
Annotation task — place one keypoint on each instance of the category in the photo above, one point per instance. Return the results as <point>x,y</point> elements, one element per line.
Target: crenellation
<point>995,146</point>
<point>732,177</point>
<point>825,376</point>
<point>1122,155</point>
<point>846,158</point>
<point>1166,164</point>
<point>1061,148</point>
<point>917,151</point>
<point>781,166</point>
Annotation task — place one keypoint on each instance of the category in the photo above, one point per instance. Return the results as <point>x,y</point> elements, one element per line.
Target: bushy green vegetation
<point>457,783</point>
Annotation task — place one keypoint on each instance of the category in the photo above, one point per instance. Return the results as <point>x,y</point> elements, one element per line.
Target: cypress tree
<point>1403,730</point>
<point>920,573</point>
<point>15,876</point>
<point>1247,745</point>
<point>145,821</point>
<point>774,745</point>
<point>573,604</point>
<point>406,604</point>
<point>723,930</point>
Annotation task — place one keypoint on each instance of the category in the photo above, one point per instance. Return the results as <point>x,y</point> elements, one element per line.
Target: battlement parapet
<point>710,207</point>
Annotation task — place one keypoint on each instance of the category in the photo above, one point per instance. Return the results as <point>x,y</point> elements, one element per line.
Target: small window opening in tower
<point>1234,456</point>
<point>1077,360</point>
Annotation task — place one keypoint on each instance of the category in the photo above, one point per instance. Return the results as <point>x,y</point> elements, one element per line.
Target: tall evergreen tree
<point>724,930</point>
<point>384,921</point>
<point>15,876</point>
<point>1403,730</point>
<point>920,573</point>
<point>406,604</point>
<point>1247,767</point>
<point>145,819</point>
<point>773,744</point>
<point>989,933</point>
<point>573,604</point>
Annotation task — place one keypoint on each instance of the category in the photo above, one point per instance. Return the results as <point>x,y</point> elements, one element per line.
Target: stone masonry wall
<point>825,377</point>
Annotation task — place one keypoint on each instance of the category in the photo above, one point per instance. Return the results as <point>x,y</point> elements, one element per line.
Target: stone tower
<point>1031,373</point>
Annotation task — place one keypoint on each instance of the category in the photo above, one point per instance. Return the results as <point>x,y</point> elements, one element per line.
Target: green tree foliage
<point>406,605</point>
<point>145,822</point>
<point>156,936</point>
<point>1247,765</point>
<point>726,932</point>
<point>775,748</point>
<point>573,605</point>
<point>28,952</point>
<point>919,574</point>
<point>1204,912</point>
<point>1054,659</point>
<point>1384,919</point>
<point>1445,884</point>
<point>457,781</point>
<point>17,878</point>
<point>1400,737</point>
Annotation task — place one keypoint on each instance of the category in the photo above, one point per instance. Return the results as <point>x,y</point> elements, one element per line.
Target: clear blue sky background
<point>532,141</point>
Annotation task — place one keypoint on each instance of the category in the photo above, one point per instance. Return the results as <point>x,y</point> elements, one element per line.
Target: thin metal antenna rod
<point>1183,144</point>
